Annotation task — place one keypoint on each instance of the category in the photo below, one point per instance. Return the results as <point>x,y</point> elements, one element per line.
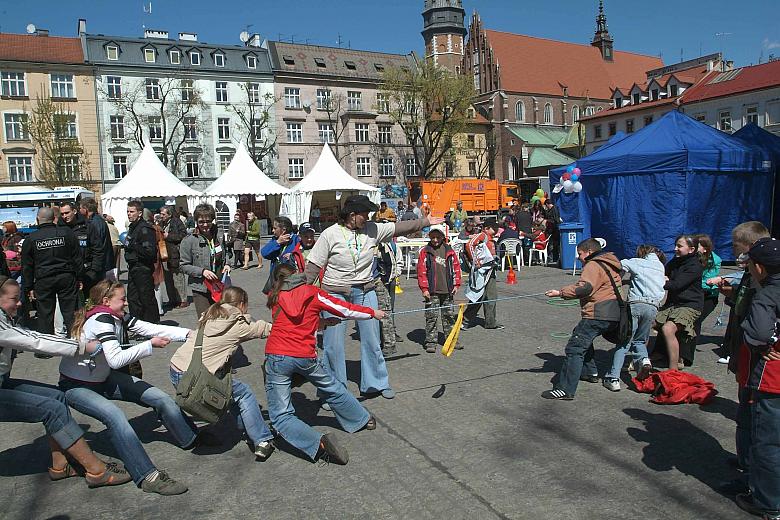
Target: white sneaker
<point>724,360</point>
<point>613,385</point>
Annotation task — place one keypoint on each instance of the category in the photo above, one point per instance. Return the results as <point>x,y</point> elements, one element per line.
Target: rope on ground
<point>560,302</point>
<point>560,335</point>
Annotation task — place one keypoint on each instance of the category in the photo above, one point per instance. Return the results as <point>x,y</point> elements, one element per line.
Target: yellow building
<point>473,151</point>
<point>43,79</point>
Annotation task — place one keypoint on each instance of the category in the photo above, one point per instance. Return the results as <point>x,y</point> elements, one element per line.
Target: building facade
<point>44,81</point>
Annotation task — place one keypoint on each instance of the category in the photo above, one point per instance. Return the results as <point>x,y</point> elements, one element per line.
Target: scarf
<point>98,309</point>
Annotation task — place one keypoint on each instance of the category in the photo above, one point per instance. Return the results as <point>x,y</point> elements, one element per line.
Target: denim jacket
<point>647,279</point>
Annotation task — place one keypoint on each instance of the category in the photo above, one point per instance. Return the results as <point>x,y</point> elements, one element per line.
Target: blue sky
<point>661,26</point>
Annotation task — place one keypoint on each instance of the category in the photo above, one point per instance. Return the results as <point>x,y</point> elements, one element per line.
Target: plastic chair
<point>510,247</point>
<point>602,243</point>
<point>541,253</point>
<point>412,258</point>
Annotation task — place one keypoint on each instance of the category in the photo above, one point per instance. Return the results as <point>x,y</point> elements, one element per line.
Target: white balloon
<point>567,186</point>
<point>577,187</point>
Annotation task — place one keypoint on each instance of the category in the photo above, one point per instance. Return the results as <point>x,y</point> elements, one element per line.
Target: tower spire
<point>602,39</point>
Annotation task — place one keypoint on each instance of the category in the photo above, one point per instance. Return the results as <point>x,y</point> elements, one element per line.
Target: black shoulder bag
<point>621,334</point>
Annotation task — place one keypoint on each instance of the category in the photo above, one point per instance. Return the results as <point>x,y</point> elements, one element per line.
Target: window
<point>326,133</point>
<point>520,112</point>
<point>724,120</point>
<point>251,62</point>
<point>548,114</point>
<point>120,166</point>
<point>222,91</point>
<point>385,134</point>
<point>379,67</point>
<point>190,128</point>
<point>20,169</point>
<point>253,92</point>
<point>112,52</point>
<point>654,94</point>
<point>219,60</point>
<point>673,90</point>
<point>702,118</point>
<point>194,58</point>
<point>323,98</point>
<point>155,128</point>
<point>364,167</point>
<point>152,89</point>
<point>597,132</point>
<point>295,168</point>
<point>224,162</point>
<point>294,132</point>
<point>187,90</point>
<point>386,168</point>
<point>65,126</point>
<point>648,120</point>
<point>350,65</point>
<point>353,100</point>
<point>629,126</point>
<point>751,115</point>
<point>288,60</point>
<point>382,103</point>
<point>150,55</point>
<point>14,127</point>
<point>575,114</point>
<point>411,166</point>
<point>175,57</point>
<point>361,132</point>
<point>612,129</point>
<point>69,167</point>
<point>637,98</point>
<point>62,86</point>
<point>117,124</point>
<point>472,168</point>
<point>320,62</point>
<point>590,110</point>
<point>257,129</point>
<point>223,128</point>
<point>13,84</point>
<point>292,97</point>
<point>114,84</point>
<point>193,168</point>
<point>449,169</point>
<point>618,102</point>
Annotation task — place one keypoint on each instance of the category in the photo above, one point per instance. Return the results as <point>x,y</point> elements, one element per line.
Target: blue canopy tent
<point>674,176</point>
<point>754,135</point>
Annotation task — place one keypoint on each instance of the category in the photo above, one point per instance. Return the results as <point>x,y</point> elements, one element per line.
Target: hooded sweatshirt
<point>221,338</point>
<point>594,290</point>
<point>297,315</point>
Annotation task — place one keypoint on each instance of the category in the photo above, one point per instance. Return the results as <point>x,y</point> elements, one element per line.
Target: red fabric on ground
<point>675,387</point>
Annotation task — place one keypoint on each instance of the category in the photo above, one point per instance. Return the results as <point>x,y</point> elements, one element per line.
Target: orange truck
<point>478,195</point>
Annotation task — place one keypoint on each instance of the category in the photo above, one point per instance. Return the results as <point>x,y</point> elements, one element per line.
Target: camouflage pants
<point>387,332</point>
<point>448,316</point>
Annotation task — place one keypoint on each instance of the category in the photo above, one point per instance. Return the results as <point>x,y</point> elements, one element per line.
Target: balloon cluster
<point>539,195</point>
<point>571,179</point>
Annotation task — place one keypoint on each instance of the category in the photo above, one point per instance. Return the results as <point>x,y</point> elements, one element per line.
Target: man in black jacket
<point>175,281</point>
<point>140,255</point>
<point>51,266</point>
<point>553,218</point>
<point>99,256</point>
<point>70,217</point>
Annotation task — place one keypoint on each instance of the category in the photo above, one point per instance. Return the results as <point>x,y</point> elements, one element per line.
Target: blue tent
<point>754,135</point>
<point>674,176</point>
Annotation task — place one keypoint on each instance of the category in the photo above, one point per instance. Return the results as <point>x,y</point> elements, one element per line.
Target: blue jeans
<point>580,352</point>
<point>31,402</point>
<point>244,408</point>
<point>94,400</point>
<point>764,477</point>
<point>643,318</point>
<point>278,376</point>
<point>373,371</point>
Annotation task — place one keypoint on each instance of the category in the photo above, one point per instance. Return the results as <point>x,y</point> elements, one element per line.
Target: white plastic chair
<point>509,248</point>
<point>602,243</point>
<point>412,257</point>
<point>541,253</point>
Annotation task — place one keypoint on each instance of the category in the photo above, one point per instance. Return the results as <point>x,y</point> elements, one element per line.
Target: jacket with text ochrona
<point>49,251</point>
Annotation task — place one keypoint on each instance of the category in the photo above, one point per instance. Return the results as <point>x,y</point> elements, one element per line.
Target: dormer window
<point>194,58</point>
<point>112,52</point>
<point>320,62</point>
<point>637,98</point>
<point>379,67</point>
<point>350,65</point>
<point>175,57</point>
<point>251,62</point>
<point>618,102</point>
<point>219,60</point>
<point>673,91</point>
<point>288,60</point>
<point>150,56</point>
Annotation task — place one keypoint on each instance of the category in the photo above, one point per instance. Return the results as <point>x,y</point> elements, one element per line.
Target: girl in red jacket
<point>290,349</point>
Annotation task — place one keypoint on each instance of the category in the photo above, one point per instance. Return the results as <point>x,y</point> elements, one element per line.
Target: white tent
<point>242,177</point>
<point>327,175</point>
<point>147,179</point>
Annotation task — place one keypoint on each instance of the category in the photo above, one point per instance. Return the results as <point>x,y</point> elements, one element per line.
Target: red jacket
<point>675,387</point>
<point>426,276</point>
<point>296,316</point>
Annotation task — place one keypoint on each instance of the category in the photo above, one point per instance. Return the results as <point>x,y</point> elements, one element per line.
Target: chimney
<point>82,26</point>
<point>42,32</point>
<point>152,33</point>
<point>254,41</point>
<point>188,37</point>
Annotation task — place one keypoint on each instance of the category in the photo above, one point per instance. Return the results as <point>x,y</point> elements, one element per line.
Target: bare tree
<point>335,108</point>
<point>165,111</point>
<point>61,159</point>
<point>255,118</point>
<point>431,103</point>
<point>482,151</point>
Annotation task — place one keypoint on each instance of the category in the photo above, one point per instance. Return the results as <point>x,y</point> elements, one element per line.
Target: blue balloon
<point>570,168</point>
<point>574,177</point>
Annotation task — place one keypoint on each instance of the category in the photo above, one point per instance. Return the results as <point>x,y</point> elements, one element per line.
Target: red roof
<point>542,66</point>
<point>745,79</point>
<point>631,108</point>
<point>40,49</point>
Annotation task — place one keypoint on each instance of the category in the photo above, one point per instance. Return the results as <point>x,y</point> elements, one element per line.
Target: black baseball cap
<point>359,204</point>
<point>766,251</point>
<point>305,228</point>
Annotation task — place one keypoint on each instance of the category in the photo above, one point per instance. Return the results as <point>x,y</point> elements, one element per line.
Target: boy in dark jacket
<point>438,275</point>
<point>759,373</point>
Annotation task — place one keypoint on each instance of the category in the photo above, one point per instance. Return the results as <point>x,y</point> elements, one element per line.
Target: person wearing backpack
<point>600,315</point>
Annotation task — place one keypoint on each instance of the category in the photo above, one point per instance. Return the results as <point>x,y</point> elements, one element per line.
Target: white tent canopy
<point>327,175</point>
<point>147,179</point>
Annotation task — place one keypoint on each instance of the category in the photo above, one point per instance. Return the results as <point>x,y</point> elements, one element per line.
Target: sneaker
<point>497,327</point>
<point>66,472</point>
<point>325,406</point>
<point>331,451</point>
<point>263,450</point>
<point>613,385</point>
<point>590,379</point>
<point>114,475</point>
<point>431,349</point>
<point>370,425</point>
<point>163,485</point>
<point>745,502</point>
<point>645,371</point>
<point>399,338</point>
<point>389,352</point>
<point>465,326</point>
<point>724,360</point>
<point>388,393</point>
<point>557,394</point>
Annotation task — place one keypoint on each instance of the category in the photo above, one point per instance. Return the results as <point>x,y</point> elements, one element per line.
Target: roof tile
<point>754,77</point>
<point>40,49</point>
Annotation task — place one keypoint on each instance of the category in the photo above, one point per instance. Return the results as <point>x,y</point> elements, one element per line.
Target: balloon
<point>577,187</point>
<point>534,199</point>
<point>566,176</point>
<point>574,177</point>
<point>577,171</point>
<point>567,185</point>
<point>543,199</point>
<point>539,193</point>
<point>570,168</point>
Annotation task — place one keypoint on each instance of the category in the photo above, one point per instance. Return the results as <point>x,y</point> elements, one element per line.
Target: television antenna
<point>30,28</point>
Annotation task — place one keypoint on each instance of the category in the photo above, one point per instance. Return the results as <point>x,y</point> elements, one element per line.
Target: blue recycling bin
<point>571,235</point>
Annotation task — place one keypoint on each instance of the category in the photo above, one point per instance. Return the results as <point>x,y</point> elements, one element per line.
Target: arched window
<point>514,169</point>
<point>548,114</point>
<point>520,112</point>
<point>590,110</point>
<point>575,114</point>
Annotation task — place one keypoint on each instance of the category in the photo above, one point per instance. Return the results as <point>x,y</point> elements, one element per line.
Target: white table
<point>410,246</point>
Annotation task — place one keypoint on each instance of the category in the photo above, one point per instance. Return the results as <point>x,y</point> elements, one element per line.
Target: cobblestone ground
<point>489,447</point>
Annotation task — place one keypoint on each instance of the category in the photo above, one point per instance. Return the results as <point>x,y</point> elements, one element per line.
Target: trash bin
<point>571,235</point>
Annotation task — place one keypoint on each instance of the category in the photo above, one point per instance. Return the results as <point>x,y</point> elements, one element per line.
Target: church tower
<point>443,31</point>
<point>602,39</point>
